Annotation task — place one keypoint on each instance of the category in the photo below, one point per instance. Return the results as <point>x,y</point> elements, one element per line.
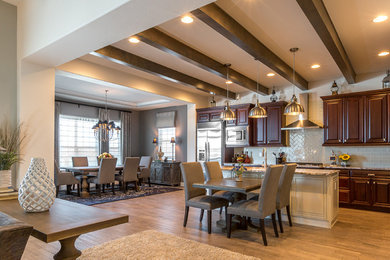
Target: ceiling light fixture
<point>187,19</point>
<point>293,107</point>
<point>133,40</point>
<point>383,53</point>
<point>271,74</point>
<point>315,66</point>
<point>227,114</point>
<point>258,111</point>
<point>380,18</point>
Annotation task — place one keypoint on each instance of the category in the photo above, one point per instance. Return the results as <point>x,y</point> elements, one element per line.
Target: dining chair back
<point>130,169</point>
<point>80,161</point>
<point>213,171</point>
<point>145,162</point>
<point>106,172</point>
<point>144,169</point>
<point>192,173</point>
<point>269,190</point>
<point>64,178</point>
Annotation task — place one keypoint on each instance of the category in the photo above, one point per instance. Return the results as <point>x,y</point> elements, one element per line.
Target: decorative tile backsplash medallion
<point>306,146</point>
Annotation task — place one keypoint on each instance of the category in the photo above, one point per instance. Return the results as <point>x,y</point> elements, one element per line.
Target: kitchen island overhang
<point>314,196</point>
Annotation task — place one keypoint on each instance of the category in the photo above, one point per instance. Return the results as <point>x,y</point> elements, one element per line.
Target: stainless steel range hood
<point>303,122</point>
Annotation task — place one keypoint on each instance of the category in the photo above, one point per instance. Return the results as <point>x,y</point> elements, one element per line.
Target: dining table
<point>239,187</point>
<point>85,171</point>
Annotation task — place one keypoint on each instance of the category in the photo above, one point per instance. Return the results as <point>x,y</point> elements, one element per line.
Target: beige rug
<point>152,244</point>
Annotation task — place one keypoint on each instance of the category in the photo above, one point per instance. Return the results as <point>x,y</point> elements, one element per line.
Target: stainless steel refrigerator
<point>209,142</point>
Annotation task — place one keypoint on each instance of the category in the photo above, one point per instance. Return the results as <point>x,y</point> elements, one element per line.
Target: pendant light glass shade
<point>227,114</point>
<point>294,108</point>
<point>258,111</point>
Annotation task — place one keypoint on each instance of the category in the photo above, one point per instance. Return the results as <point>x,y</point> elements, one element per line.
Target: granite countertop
<point>325,166</point>
<point>297,171</point>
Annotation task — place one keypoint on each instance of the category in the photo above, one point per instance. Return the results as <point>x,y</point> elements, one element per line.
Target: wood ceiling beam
<point>133,61</point>
<point>220,21</point>
<point>319,18</point>
<point>168,44</point>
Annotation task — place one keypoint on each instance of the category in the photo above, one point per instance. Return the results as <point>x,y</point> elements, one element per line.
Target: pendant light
<point>227,114</point>
<point>293,107</point>
<point>258,111</point>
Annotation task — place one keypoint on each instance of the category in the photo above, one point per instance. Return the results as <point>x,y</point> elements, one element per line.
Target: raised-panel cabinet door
<point>203,117</point>
<point>274,124</point>
<point>376,118</point>
<point>259,131</point>
<point>360,191</point>
<point>215,116</point>
<point>242,116</point>
<point>381,192</point>
<point>353,120</point>
<point>333,121</point>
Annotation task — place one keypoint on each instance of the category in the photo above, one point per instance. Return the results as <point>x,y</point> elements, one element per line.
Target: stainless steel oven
<point>237,136</point>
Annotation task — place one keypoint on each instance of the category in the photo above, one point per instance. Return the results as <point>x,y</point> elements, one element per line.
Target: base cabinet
<point>167,173</point>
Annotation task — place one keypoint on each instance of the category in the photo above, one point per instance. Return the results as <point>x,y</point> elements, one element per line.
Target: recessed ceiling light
<point>380,18</point>
<point>383,53</point>
<point>133,40</point>
<point>315,66</point>
<point>229,81</point>
<point>187,19</point>
<point>271,74</point>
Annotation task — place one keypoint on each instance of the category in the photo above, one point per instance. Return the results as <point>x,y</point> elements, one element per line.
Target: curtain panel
<point>126,134</point>
<point>57,110</point>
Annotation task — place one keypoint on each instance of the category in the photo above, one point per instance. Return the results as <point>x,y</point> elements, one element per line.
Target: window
<point>164,141</point>
<point>76,138</point>
<point>115,145</point>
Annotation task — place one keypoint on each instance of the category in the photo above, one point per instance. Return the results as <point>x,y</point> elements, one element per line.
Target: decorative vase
<point>160,154</point>
<point>344,163</point>
<point>37,190</point>
<point>5,180</point>
<point>239,177</point>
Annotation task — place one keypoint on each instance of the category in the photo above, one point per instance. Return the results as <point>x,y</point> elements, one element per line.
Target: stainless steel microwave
<point>237,136</point>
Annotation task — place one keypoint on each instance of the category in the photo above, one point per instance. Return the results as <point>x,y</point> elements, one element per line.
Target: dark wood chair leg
<point>78,189</point>
<point>228,225</point>
<point>201,215</point>
<point>274,224</point>
<point>262,229</point>
<point>220,211</point>
<point>57,190</point>
<point>113,188</point>
<point>279,212</point>
<point>186,216</point>
<point>103,187</point>
<point>68,189</point>
<point>289,215</point>
<point>245,223</point>
<point>209,218</point>
<point>149,182</point>
<point>98,190</point>
<point>136,186</point>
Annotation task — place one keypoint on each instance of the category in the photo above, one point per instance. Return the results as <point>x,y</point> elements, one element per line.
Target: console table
<point>168,173</point>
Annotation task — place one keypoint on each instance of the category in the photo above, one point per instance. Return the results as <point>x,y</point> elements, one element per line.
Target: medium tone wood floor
<point>357,234</point>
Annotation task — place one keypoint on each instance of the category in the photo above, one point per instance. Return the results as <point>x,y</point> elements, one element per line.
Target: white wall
<point>191,133</point>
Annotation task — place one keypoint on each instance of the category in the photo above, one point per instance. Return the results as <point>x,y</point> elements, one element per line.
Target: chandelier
<point>104,129</point>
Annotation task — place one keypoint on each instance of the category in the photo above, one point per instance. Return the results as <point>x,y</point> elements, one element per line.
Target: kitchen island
<point>314,196</point>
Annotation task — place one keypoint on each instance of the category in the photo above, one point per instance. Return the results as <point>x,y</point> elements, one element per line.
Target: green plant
<point>10,139</point>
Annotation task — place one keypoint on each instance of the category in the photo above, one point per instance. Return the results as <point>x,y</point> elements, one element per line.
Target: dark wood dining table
<point>85,171</point>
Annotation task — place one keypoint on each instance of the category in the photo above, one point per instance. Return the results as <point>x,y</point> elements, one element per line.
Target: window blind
<point>165,119</point>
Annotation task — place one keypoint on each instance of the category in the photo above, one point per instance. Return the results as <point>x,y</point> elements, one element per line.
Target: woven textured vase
<point>37,190</point>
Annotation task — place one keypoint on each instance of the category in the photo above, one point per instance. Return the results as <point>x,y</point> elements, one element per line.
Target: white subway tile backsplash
<point>306,146</point>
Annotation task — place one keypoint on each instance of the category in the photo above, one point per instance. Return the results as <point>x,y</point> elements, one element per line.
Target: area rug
<point>151,244</point>
<point>119,195</point>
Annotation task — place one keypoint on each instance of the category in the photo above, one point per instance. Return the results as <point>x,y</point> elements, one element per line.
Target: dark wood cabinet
<point>274,124</point>
<point>215,116</point>
<point>333,121</point>
<point>203,117</point>
<point>360,191</point>
<point>211,114</point>
<point>376,118</point>
<point>344,187</point>
<point>168,173</point>
<point>259,131</point>
<point>353,116</point>
<point>381,192</point>
<point>359,118</point>
<point>242,116</point>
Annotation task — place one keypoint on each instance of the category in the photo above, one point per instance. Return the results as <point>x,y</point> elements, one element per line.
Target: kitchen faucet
<point>264,154</point>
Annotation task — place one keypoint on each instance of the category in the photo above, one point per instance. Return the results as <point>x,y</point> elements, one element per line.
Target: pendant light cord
<point>227,78</point>
<point>294,72</point>
<point>257,83</point>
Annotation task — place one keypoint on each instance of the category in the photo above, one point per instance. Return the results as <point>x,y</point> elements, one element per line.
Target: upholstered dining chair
<point>64,178</point>
<point>283,195</point>
<point>196,197</point>
<point>129,173</point>
<point>265,206</point>
<point>144,169</point>
<point>106,175</point>
<point>80,161</point>
<point>213,171</point>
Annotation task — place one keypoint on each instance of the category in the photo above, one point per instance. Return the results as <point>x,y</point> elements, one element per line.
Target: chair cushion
<point>207,202</point>
<point>224,194</point>
<point>248,208</point>
<point>119,177</point>
<point>253,195</point>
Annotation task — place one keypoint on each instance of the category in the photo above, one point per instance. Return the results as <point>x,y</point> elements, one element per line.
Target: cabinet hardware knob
<point>339,140</point>
<point>374,182</point>
<point>345,140</point>
<point>368,182</point>
<point>384,139</point>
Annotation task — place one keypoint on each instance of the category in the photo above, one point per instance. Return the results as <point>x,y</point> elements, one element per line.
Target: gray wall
<point>7,62</point>
<point>148,130</point>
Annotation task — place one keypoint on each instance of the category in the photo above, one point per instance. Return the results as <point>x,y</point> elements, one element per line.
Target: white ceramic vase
<point>37,190</point>
<point>5,180</point>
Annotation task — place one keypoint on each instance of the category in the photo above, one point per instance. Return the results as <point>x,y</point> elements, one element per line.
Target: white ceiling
<point>80,89</point>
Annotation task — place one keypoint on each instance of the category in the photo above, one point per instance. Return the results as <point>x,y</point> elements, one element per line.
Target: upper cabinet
<point>360,118</point>
<point>213,114</point>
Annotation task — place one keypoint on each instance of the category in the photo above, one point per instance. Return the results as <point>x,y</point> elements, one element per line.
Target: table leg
<point>84,192</point>
<point>68,250</point>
